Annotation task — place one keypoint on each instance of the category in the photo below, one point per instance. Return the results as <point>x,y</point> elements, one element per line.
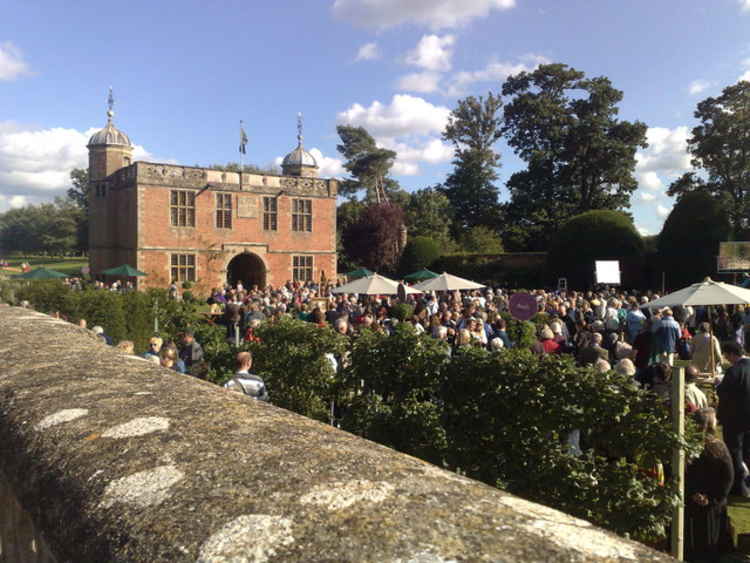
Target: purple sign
<point>522,306</point>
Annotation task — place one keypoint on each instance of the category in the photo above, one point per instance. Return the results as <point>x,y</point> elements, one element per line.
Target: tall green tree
<point>78,192</point>
<point>473,128</point>
<point>78,195</point>
<point>47,228</point>
<point>720,147</point>
<point>579,155</point>
<point>367,163</point>
<point>429,213</point>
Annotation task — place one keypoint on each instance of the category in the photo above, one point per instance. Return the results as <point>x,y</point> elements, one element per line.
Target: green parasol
<point>41,274</point>
<point>359,273</point>
<point>123,271</point>
<point>421,275</point>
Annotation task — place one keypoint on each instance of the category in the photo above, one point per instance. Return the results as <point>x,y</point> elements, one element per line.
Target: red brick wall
<point>215,247</point>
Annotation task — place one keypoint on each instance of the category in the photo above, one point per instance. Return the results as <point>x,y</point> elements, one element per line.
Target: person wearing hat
<point>191,352</point>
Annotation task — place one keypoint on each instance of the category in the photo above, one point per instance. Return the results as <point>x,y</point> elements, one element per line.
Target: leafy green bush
<point>521,333</point>
<point>398,404</point>
<point>506,419</point>
<point>290,357</point>
<point>419,253</point>
<point>401,311</point>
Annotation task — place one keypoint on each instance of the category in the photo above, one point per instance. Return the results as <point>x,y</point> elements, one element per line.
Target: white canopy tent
<point>447,282</point>
<point>707,292</point>
<point>373,285</point>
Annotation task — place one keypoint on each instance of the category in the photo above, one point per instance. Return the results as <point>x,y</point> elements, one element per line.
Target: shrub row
<point>502,418</point>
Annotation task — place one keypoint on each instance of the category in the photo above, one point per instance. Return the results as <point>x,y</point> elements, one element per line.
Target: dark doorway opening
<point>247,268</point>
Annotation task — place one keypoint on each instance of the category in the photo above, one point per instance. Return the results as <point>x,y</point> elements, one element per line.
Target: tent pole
<point>678,463</point>
<point>711,342</point>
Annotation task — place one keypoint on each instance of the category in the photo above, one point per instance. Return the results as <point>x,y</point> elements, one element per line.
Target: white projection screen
<point>608,272</point>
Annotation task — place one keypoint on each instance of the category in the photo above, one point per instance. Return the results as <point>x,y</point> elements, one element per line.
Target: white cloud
<point>436,14</point>
<point>433,52</point>
<point>494,71</point>
<point>645,196</point>
<point>409,125</point>
<point>644,231</point>
<point>368,52</point>
<point>405,115</point>
<point>12,64</point>
<point>666,155</point>
<point>649,180</point>
<point>662,211</point>
<point>423,82</point>
<point>745,76</point>
<point>401,168</point>
<point>433,151</point>
<point>698,86</point>
<point>329,167</point>
<point>745,5</point>
<point>36,164</point>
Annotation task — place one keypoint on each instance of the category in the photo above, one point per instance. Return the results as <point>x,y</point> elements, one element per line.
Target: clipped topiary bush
<point>591,236</point>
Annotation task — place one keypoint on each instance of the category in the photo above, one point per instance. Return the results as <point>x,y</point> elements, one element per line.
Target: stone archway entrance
<point>247,268</point>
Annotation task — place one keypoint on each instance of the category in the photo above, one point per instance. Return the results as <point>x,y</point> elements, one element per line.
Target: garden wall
<point>112,458</point>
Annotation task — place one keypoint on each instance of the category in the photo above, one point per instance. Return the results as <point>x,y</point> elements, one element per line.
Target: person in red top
<point>548,342</point>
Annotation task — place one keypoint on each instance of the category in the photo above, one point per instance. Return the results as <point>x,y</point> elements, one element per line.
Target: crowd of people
<point>608,329</point>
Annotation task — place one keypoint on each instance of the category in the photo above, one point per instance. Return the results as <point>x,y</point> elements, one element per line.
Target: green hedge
<point>498,417</point>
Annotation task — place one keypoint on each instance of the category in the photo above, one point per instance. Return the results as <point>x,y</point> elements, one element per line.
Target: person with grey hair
<point>588,355</point>
<point>694,397</point>
<point>99,332</point>
<point>625,367</point>
<point>708,480</point>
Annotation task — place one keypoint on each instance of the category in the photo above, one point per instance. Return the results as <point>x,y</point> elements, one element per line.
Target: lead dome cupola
<point>299,158</point>
<point>110,135</point>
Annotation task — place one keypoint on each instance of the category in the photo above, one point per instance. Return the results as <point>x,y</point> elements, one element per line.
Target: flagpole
<point>242,155</point>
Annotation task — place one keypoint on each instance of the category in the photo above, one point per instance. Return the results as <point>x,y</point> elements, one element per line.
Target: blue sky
<point>184,74</point>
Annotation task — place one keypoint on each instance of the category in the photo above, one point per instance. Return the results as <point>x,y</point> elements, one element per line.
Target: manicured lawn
<point>739,512</point>
<point>66,265</point>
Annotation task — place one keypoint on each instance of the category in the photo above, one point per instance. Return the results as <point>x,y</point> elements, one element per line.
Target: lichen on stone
<point>137,427</point>
<point>251,538</point>
<point>337,496</point>
<point>65,415</point>
<point>142,489</point>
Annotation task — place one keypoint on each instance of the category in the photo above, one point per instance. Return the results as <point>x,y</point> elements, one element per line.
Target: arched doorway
<point>247,268</point>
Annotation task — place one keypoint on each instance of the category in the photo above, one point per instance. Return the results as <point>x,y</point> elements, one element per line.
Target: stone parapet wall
<point>186,177</point>
<point>116,459</point>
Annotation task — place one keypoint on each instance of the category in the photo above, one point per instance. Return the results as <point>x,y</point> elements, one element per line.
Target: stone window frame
<point>302,267</point>
<point>183,267</point>
<point>182,208</point>
<point>270,213</point>
<point>223,210</point>
<point>302,215</point>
